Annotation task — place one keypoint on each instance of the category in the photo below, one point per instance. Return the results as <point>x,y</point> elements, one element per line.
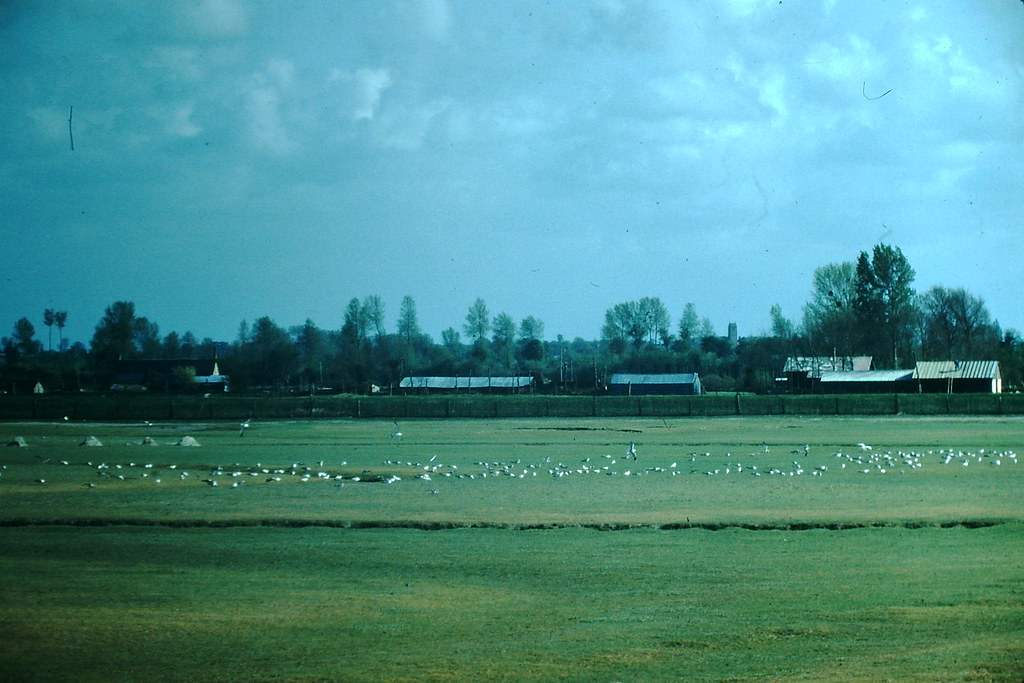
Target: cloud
<point>369,84</point>
<point>214,19</point>
<point>266,95</point>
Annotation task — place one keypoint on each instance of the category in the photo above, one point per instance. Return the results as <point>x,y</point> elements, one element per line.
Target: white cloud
<point>214,18</point>
<point>369,84</point>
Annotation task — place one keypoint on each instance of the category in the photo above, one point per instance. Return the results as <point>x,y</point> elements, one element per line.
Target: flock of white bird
<point>861,458</point>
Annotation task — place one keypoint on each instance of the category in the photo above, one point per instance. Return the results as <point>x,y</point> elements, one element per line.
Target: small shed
<point>680,383</point>
<point>492,385</point>
<point>958,377</point>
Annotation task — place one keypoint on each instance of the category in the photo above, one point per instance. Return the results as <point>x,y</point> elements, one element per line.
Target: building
<point>958,377</point>
<point>681,383</point>
<point>159,374</point>
<point>802,374</point>
<point>866,382</point>
<point>491,385</point>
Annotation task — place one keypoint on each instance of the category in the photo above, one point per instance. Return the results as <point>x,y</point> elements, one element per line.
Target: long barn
<point>680,383</point>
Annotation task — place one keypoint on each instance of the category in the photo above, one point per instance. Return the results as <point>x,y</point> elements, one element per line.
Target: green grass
<point>147,597</point>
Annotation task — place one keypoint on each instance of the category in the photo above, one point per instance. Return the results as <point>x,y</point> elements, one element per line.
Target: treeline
<point>865,307</point>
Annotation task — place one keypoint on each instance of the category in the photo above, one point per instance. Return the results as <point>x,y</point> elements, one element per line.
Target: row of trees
<point>864,307</point>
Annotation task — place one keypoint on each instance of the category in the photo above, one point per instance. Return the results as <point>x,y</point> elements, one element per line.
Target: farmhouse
<point>802,374</point>
<point>490,385</point>
<point>139,375</point>
<point>627,384</point>
<point>958,377</point>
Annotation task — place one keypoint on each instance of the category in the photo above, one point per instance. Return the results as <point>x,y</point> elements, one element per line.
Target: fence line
<point>135,407</point>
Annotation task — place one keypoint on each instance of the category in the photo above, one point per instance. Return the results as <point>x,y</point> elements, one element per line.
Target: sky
<point>233,160</point>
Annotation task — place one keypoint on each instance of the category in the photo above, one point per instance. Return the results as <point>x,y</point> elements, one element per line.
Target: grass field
<point>740,548</point>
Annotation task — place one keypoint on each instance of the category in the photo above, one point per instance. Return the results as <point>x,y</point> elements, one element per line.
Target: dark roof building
<point>628,384</point>
<point>958,377</point>
<point>802,374</point>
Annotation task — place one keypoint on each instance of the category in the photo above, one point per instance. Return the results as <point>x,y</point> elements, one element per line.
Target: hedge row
<point>146,407</point>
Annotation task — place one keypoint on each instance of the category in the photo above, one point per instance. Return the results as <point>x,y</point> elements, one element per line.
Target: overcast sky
<point>240,159</point>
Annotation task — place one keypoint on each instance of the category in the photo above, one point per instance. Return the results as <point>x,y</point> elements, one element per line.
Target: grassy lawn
<point>906,599</point>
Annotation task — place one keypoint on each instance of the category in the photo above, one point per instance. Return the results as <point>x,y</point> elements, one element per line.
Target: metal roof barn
<point>440,383</point>
<point>959,376</point>
<point>627,384</point>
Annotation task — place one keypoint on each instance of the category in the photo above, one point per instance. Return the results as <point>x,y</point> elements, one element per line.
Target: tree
<point>61,318</point>
<point>689,324</point>
<point>24,337</point>
<point>114,336</point>
<point>311,345</point>
<point>622,324</point>
<point>172,345</point>
<point>147,339</point>
<point>274,355</point>
<point>504,335</point>
<point>408,327</point>
<point>782,327</point>
<point>478,321</point>
<point>885,302</point>
<point>373,314</point>
<point>830,318</point>
<point>48,319</point>
<point>654,319</point>
<point>956,325</point>
<point>530,328</point>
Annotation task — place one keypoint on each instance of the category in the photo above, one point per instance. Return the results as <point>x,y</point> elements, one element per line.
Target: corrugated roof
<point>466,382</point>
<point>957,369</point>
<point>868,376</point>
<point>814,366</point>
<point>671,378</point>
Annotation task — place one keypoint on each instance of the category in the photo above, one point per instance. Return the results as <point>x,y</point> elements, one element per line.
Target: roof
<point>815,366</point>
<point>957,369</point>
<point>672,378</point>
<point>868,376</point>
<point>465,382</point>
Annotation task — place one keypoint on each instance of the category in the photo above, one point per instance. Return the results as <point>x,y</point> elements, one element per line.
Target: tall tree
<point>885,302</point>
<point>531,328</point>
<point>274,354</point>
<point>478,320</point>
<point>830,318</point>
<point>782,327</point>
<point>353,330</point>
<point>114,335</point>
<point>48,320</point>
<point>689,324</point>
<point>408,325</point>
<point>373,314</point>
<point>622,324</point>
<point>654,319</point>
<point>61,318</point>
<point>311,344</point>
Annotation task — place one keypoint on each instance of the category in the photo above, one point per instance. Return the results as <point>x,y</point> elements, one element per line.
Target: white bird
<point>631,451</point>
<point>864,446</point>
